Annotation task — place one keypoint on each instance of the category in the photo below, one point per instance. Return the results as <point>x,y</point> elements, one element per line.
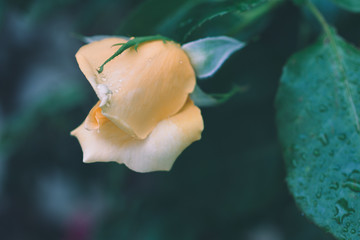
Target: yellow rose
<point>144,117</point>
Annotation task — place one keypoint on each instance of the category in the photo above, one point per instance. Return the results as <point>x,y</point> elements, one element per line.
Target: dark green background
<point>229,185</point>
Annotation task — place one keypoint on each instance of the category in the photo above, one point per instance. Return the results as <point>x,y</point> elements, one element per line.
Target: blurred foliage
<point>229,185</point>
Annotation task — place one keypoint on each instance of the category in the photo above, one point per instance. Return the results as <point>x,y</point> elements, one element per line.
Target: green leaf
<point>350,5</point>
<point>318,105</point>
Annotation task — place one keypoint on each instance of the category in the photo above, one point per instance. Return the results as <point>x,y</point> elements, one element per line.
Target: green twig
<point>224,97</point>
<point>319,17</point>
<point>132,43</point>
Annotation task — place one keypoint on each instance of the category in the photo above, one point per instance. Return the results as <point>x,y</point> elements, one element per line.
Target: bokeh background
<point>229,185</point>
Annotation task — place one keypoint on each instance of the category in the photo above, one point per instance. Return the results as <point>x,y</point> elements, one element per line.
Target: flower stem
<point>319,17</point>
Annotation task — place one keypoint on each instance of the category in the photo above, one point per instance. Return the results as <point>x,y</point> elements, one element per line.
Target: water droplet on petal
<point>104,94</point>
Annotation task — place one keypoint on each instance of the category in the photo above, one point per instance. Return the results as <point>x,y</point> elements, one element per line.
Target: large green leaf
<point>318,105</point>
<point>350,5</point>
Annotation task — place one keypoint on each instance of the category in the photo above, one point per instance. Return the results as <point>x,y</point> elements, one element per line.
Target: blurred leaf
<point>350,5</point>
<point>21,124</point>
<point>207,11</point>
<point>145,19</point>
<point>90,39</point>
<point>299,2</point>
<point>208,54</point>
<point>179,19</point>
<point>317,116</point>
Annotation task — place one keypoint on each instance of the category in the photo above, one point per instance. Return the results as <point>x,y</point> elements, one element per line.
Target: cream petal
<point>155,153</point>
<point>138,89</point>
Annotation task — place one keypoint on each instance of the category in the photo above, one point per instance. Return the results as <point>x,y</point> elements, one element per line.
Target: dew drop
<point>342,210</point>
<point>353,231</point>
<point>353,181</point>
<point>352,185</point>
<point>318,194</point>
<point>316,152</point>
<point>323,108</point>
<point>342,137</point>
<point>322,177</point>
<point>324,139</point>
<point>180,61</point>
<point>334,186</point>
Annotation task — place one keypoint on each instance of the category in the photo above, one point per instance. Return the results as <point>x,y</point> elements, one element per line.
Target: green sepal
<point>135,42</point>
<point>202,99</point>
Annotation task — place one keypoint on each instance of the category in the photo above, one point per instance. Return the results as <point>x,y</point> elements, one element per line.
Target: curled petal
<point>138,89</point>
<point>155,153</point>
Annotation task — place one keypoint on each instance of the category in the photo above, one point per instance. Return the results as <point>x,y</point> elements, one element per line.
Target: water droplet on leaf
<point>323,108</point>
<point>324,139</point>
<point>353,181</point>
<point>342,210</point>
<point>334,186</point>
<point>316,152</point>
<point>342,137</point>
<point>318,194</point>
